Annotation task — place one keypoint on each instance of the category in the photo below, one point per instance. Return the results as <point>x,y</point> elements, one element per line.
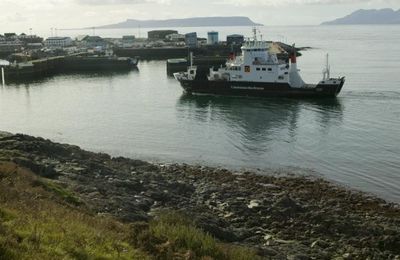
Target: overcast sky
<point>41,15</point>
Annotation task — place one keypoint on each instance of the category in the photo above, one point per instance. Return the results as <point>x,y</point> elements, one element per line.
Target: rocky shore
<point>283,217</point>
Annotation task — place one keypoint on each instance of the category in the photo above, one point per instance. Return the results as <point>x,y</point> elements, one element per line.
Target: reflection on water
<point>258,120</point>
<point>40,80</point>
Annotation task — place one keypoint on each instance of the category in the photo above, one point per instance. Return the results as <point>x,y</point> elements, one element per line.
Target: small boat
<point>257,72</point>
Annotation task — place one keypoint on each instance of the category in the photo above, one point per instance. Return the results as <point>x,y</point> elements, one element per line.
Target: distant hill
<point>188,22</point>
<point>372,16</point>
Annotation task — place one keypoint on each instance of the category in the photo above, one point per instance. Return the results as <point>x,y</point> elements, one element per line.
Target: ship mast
<point>327,71</point>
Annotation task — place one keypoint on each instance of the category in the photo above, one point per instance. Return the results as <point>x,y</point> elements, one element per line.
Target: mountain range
<point>371,16</point>
<point>187,22</point>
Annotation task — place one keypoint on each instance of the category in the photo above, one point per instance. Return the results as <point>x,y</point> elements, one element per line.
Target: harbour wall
<point>64,64</point>
<point>176,52</point>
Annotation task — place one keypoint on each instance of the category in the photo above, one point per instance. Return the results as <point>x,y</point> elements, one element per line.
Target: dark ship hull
<point>261,89</point>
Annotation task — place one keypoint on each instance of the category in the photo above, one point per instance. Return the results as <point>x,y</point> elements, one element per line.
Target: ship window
<point>246,68</point>
<point>192,72</point>
<point>257,68</point>
<point>280,77</point>
<point>269,69</point>
<point>264,69</point>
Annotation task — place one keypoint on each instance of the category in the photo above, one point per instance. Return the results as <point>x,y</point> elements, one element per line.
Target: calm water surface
<point>353,140</point>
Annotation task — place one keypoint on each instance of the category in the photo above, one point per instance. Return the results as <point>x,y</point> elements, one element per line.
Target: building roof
<point>81,37</point>
<point>94,39</point>
<point>58,38</point>
<point>10,34</point>
<point>162,31</point>
<point>191,34</point>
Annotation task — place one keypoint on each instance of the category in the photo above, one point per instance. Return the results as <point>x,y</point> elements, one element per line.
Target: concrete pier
<point>73,63</point>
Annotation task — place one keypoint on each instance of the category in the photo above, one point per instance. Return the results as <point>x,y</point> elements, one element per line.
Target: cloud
<point>119,2</point>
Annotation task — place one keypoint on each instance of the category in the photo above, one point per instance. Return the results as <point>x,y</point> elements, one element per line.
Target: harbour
<point>216,130</point>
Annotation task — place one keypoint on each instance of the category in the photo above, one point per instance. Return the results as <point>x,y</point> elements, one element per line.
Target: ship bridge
<point>257,53</point>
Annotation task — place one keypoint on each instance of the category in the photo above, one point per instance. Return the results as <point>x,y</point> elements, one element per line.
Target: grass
<point>59,191</point>
<point>172,235</point>
<point>36,223</point>
<point>40,219</point>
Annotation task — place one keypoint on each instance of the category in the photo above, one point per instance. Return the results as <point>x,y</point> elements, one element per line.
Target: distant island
<point>371,16</point>
<point>187,22</point>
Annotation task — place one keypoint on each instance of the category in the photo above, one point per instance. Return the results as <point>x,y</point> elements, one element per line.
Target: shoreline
<point>283,217</point>
<point>281,171</point>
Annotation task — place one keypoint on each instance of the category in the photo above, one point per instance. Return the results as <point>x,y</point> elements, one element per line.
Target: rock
<point>229,215</point>
<point>268,237</point>
<point>254,204</point>
<point>311,217</point>
<point>319,243</point>
<point>5,134</point>
<point>298,257</point>
<point>46,171</point>
<point>288,204</point>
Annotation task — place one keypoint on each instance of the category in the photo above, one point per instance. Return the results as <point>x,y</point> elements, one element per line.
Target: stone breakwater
<point>283,217</point>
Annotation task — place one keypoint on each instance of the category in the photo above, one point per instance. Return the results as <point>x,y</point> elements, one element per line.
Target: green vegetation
<point>173,236</point>
<point>59,191</point>
<point>42,220</point>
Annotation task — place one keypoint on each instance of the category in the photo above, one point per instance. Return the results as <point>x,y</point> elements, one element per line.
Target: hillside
<point>187,22</point>
<point>372,16</point>
<point>40,219</point>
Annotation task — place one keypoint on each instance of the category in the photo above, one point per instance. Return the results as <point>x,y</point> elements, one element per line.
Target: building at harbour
<point>235,39</point>
<point>175,37</point>
<point>58,42</point>
<point>191,40</point>
<point>10,43</point>
<point>159,34</point>
<point>128,41</point>
<point>94,42</point>
<point>10,46</point>
<point>212,38</point>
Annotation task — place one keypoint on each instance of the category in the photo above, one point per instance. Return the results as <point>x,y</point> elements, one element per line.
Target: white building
<point>58,42</point>
<point>212,38</point>
<point>175,37</point>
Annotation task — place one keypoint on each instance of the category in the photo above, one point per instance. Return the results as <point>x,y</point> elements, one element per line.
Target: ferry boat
<point>257,72</point>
